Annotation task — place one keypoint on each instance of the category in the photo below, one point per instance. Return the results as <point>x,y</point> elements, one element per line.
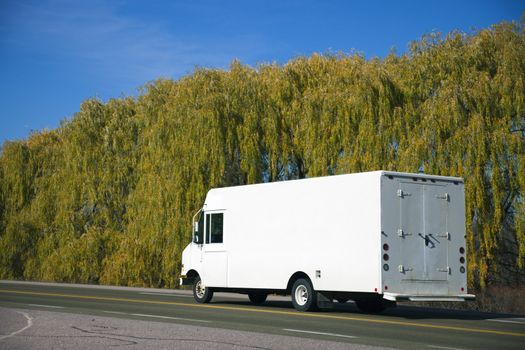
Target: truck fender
<point>189,278</point>
<point>295,277</point>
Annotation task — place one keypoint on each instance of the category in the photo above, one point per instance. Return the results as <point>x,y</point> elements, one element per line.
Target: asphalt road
<point>270,326</point>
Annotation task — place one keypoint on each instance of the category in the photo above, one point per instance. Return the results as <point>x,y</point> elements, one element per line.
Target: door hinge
<point>444,196</point>
<point>402,234</point>
<point>403,269</point>
<point>401,193</point>
<point>447,270</point>
<point>445,235</point>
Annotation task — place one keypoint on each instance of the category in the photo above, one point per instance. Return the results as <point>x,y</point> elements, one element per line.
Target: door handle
<point>427,239</point>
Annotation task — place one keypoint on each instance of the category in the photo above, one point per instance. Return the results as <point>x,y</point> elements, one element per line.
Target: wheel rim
<point>200,289</point>
<point>301,295</point>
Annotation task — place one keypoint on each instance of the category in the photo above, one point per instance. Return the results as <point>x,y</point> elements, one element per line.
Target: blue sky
<point>54,53</point>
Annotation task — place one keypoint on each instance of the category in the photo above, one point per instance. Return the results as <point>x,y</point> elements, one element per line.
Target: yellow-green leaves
<point>109,195</point>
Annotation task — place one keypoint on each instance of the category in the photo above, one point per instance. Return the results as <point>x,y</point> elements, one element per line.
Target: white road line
<point>29,324</point>
<point>512,320</point>
<point>168,295</point>
<point>50,306</point>
<point>443,347</point>
<point>319,333</point>
<point>115,312</point>
<point>170,318</point>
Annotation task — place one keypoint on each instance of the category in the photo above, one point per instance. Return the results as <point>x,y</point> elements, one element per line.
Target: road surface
<point>40,315</point>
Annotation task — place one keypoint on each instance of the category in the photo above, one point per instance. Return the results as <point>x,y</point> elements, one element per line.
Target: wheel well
<point>191,276</point>
<point>295,277</point>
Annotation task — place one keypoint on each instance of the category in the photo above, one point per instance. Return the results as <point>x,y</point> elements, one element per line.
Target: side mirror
<point>196,239</point>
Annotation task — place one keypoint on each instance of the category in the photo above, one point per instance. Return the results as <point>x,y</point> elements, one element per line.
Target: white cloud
<point>107,42</point>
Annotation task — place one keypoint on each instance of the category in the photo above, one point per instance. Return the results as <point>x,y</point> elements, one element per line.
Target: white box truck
<point>375,238</point>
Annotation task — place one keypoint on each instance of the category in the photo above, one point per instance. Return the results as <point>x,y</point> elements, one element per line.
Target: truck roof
<point>215,193</point>
<point>369,173</point>
<point>420,175</point>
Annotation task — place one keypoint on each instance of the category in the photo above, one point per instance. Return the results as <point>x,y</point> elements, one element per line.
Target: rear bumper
<point>409,297</point>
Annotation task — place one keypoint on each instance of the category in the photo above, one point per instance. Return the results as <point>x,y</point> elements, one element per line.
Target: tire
<point>201,293</point>
<point>257,298</point>
<point>373,306</point>
<point>304,298</point>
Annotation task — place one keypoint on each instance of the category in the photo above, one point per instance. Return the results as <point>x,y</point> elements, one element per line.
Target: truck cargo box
<point>370,237</point>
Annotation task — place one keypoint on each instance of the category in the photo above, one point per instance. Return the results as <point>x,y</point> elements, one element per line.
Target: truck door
<point>437,238</point>
<point>214,254</point>
<point>423,231</point>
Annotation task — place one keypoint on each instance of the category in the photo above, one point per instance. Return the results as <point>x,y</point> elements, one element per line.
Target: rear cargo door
<point>423,231</point>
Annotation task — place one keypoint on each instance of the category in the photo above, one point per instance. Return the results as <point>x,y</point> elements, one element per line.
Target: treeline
<point>108,196</point>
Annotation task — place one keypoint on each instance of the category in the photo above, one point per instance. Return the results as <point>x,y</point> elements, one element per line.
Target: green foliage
<point>108,196</point>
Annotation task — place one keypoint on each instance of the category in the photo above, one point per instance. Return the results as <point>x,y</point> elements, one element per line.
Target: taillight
<point>386,247</point>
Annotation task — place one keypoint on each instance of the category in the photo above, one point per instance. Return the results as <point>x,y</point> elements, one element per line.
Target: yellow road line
<point>276,312</point>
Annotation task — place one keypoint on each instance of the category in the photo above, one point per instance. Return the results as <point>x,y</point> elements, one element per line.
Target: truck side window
<point>214,227</point>
<point>200,229</point>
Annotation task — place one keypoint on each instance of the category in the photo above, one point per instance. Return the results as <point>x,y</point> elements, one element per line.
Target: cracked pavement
<point>58,330</point>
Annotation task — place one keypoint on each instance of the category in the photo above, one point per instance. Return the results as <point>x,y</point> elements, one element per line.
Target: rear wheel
<point>201,293</point>
<point>304,297</point>
<point>257,298</point>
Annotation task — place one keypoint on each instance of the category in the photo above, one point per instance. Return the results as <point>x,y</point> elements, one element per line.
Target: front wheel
<point>304,297</point>
<point>201,293</point>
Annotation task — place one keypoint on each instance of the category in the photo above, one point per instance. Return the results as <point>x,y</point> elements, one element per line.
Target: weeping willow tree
<point>108,196</point>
